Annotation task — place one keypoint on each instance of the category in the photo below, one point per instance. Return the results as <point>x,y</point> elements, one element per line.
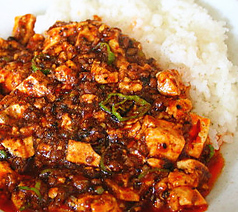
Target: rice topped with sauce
<point>178,34</point>
<point>181,36</point>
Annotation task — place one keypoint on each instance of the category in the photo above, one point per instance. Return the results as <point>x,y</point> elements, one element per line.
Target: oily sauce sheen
<point>215,167</point>
<point>88,123</point>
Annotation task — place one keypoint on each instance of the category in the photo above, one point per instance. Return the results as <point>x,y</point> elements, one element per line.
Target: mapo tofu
<point>88,123</point>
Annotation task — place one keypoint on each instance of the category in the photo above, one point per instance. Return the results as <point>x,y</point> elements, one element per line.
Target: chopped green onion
<point>103,166</point>
<point>110,54</point>
<point>99,190</point>
<point>212,151</point>
<point>46,171</point>
<point>35,67</point>
<point>7,59</point>
<point>3,155</point>
<point>36,190</point>
<point>112,106</point>
<point>45,71</point>
<point>144,173</point>
<point>38,185</point>
<point>25,207</point>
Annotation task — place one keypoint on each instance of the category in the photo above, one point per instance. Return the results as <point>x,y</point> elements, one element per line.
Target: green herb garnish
<point>103,166</point>
<point>144,173</point>
<point>3,155</point>
<point>211,151</point>
<point>34,65</point>
<point>25,207</point>
<point>36,189</point>
<point>125,107</point>
<point>99,190</point>
<point>110,55</point>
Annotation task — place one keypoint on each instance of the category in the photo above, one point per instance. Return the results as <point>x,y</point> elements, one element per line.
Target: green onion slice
<point>25,207</point>
<point>46,171</point>
<point>34,64</point>
<point>212,151</point>
<point>110,55</point>
<point>144,173</point>
<point>3,155</point>
<point>99,190</point>
<point>36,189</point>
<point>125,107</point>
<point>103,166</point>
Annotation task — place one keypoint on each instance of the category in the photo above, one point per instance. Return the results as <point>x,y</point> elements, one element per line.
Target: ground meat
<point>86,118</point>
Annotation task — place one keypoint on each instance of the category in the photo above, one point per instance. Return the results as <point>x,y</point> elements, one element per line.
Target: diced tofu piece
<point>12,109</point>
<point>179,108</point>
<point>198,135</point>
<point>36,85</point>
<point>55,34</point>
<point>3,117</point>
<point>12,74</point>
<point>85,33</point>
<point>94,203</point>
<point>22,148</point>
<point>195,168</point>
<point>64,74</point>
<point>100,115</point>
<point>102,75</point>
<point>155,162</point>
<point>106,203</point>
<point>192,165</point>
<point>88,98</point>
<point>130,86</point>
<point>163,138</point>
<point>16,110</point>
<point>4,171</point>
<point>82,153</point>
<point>23,28</point>
<point>126,194</point>
<point>133,128</point>
<point>169,83</point>
<point>18,199</point>
<point>66,121</point>
<point>185,197</point>
<point>115,46</point>
<point>179,178</point>
<point>53,192</point>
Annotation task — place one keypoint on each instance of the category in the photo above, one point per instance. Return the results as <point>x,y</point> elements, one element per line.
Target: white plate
<point>224,195</point>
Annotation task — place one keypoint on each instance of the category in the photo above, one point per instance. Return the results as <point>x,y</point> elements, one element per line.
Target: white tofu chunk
<point>94,203</point>
<point>163,138</point>
<point>198,135</point>
<point>82,153</point>
<point>179,178</point>
<point>4,171</point>
<point>192,166</point>
<point>16,110</point>
<point>20,147</point>
<point>36,85</point>
<point>185,197</point>
<point>169,83</point>
<point>102,75</point>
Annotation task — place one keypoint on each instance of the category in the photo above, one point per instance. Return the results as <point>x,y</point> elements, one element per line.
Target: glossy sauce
<point>6,205</point>
<point>215,167</point>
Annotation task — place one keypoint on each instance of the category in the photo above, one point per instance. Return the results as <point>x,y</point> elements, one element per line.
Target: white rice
<point>179,34</point>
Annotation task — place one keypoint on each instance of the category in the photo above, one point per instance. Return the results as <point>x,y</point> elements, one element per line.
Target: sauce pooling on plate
<point>88,123</point>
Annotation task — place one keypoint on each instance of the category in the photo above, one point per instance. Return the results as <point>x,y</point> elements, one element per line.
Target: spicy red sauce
<point>215,167</point>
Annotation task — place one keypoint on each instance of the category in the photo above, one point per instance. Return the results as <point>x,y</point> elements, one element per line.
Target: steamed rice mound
<point>178,34</point>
